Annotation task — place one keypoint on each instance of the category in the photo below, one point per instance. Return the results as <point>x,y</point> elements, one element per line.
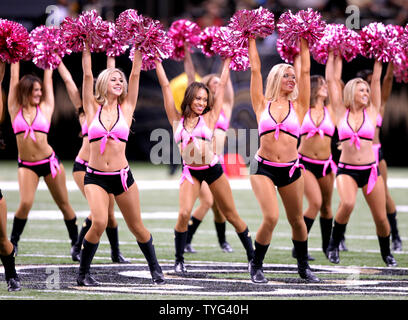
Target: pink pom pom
<point>252,23</point>
<point>286,53</point>
<point>127,25</point>
<point>207,39</point>
<point>338,38</point>
<point>226,45</point>
<point>153,43</point>
<point>88,27</point>
<point>305,24</point>
<point>115,45</point>
<point>183,31</point>
<point>47,47</point>
<point>376,42</point>
<point>14,42</point>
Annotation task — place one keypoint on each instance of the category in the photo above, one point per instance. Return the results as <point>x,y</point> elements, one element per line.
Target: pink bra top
<point>222,122</point>
<point>84,129</point>
<point>118,132</point>
<point>326,126</point>
<point>366,130</point>
<point>200,131</point>
<point>290,125</point>
<point>39,124</point>
<point>379,120</point>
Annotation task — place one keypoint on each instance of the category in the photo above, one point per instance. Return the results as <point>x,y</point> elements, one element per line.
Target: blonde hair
<point>101,86</point>
<point>350,90</point>
<point>274,80</point>
<point>207,78</point>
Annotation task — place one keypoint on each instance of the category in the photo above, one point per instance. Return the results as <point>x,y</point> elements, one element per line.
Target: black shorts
<point>78,167</point>
<point>278,175</point>
<point>110,183</point>
<point>42,170</point>
<point>1,195</point>
<point>361,177</point>
<point>316,169</point>
<point>208,175</point>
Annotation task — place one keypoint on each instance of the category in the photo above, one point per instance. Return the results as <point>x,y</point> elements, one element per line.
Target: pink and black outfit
<point>208,173</point>
<point>319,167</point>
<point>40,124</point>
<point>115,182</point>
<point>80,164</point>
<point>362,174</point>
<point>280,173</point>
<point>377,146</point>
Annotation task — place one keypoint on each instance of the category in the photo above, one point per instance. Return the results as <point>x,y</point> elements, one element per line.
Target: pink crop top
<point>326,126</point>
<point>200,131</point>
<point>39,124</point>
<point>379,120</point>
<point>222,122</point>
<point>290,125</point>
<point>118,132</point>
<point>366,130</point>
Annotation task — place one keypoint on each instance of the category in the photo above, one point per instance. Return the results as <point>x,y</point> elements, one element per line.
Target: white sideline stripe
<point>236,184</point>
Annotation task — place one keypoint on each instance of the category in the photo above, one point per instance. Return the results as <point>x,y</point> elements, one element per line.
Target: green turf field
<point>46,241</point>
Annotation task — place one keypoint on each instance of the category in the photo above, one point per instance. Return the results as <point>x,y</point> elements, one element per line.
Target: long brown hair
<point>316,82</point>
<point>25,88</point>
<point>190,95</point>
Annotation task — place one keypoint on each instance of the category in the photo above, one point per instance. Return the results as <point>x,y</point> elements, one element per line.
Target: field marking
<point>236,184</point>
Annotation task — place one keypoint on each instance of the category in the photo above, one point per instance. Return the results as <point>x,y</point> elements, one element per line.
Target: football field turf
<point>47,271</point>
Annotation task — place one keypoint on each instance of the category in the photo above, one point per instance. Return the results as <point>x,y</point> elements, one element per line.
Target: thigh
<point>79,180</point>
<point>205,193</point>
<point>129,204</point>
<point>347,188</point>
<point>376,200</point>
<point>312,188</point>
<point>188,194</point>
<point>265,192</point>
<point>98,201</point>
<point>222,193</point>
<point>111,209</point>
<point>28,182</point>
<point>57,186</point>
<point>3,218</point>
<point>326,185</point>
<point>292,198</point>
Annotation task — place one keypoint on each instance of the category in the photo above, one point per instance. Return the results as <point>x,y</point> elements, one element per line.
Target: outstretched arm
<point>134,77</point>
<point>12,96</point>
<point>72,89</point>
<point>333,78</point>
<point>386,87</point>
<point>256,87</point>
<point>48,91</point>
<point>188,66</point>
<point>87,83</point>
<point>110,62</point>
<point>303,99</point>
<point>171,111</point>
<point>376,85</point>
<point>219,93</point>
<point>228,98</point>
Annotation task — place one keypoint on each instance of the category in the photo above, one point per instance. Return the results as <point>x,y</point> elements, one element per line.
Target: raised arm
<point>188,66</point>
<point>134,77</point>
<point>48,92</point>
<point>228,98</point>
<point>170,107</point>
<point>297,64</point>
<point>256,87</point>
<point>87,83</point>
<point>2,71</point>
<point>13,106</point>
<point>376,85</point>
<point>72,89</point>
<point>386,87</point>
<point>303,99</point>
<point>219,93</point>
<point>333,78</point>
<point>110,62</point>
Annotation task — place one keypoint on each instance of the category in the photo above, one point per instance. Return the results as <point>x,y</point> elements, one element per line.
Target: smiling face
<point>288,81</point>
<point>362,94</point>
<point>200,101</point>
<point>115,84</point>
<point>36,94</point>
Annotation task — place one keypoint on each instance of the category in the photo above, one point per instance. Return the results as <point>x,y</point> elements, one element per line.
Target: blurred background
<point>149,115</point>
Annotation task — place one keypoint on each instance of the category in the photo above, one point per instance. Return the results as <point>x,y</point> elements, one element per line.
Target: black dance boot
<point>76,248</point>
<point>303,266</point>
<point>326,226</point>
<point>16,231</point>
<point>193,224</point>
<point>246,240</point>
<point>386,252</point>
<point>396,240</point>
<point>12,279</point>
<point>179,243</point>
<point>113,238</point>
<point>150,255</point>
<point>87,253</point>
<point>220,228</point>
<point>72,230</point>
<point>255,265</point>
<point>309,222</point>
<point>333,248</point>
